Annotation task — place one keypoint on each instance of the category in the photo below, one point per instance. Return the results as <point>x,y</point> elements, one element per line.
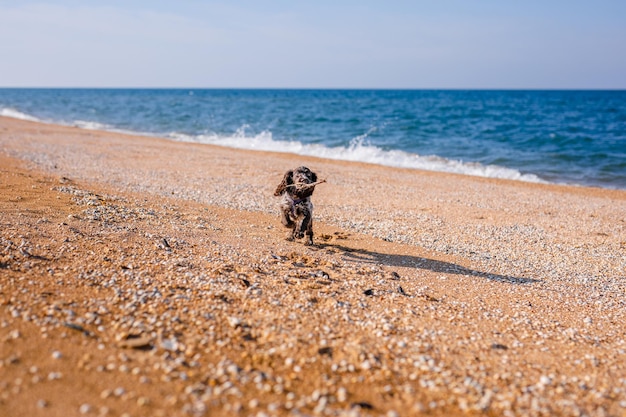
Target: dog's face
<point>294,179</point>
<point>303,175</point>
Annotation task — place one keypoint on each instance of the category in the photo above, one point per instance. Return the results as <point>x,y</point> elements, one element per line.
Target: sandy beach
<point>146,277</point>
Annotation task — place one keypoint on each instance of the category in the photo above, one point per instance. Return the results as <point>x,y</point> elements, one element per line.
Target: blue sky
<point>314,44</point>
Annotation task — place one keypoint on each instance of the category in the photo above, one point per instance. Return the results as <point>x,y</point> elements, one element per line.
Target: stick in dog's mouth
<point>305,185</point>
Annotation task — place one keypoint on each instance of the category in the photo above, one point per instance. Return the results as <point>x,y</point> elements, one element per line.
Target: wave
<point>15,114</point>
<point>358,151</point>
<point>82,124</point>
<point>93,126</point>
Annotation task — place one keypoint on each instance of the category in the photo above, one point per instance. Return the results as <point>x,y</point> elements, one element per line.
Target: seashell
<point>136,342</point>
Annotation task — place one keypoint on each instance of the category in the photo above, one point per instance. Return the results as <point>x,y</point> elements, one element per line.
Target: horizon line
<point>319,88</point>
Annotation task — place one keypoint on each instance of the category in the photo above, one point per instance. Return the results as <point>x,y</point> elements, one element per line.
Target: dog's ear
<point>287,180</point>
<point>313,176</point>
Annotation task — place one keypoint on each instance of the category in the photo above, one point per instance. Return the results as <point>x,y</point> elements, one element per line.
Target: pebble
<point>143,401</point>
<point>342,394</point>
<point>54,376</point>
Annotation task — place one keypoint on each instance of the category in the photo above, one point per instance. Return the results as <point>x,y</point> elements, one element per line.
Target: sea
<point>564,137</point>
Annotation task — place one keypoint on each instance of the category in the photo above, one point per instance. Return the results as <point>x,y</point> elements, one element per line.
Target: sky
<point>443,44</point>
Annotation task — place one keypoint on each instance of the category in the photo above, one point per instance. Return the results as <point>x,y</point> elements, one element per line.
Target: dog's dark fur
<point>296,209</point>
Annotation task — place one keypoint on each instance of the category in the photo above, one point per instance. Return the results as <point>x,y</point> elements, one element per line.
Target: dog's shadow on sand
<point>409,261</point>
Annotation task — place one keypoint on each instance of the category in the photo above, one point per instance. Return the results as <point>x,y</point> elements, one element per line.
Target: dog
<point>296,208</point>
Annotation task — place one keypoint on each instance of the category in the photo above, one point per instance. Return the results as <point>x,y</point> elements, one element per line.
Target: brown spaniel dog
<point>296,209</point>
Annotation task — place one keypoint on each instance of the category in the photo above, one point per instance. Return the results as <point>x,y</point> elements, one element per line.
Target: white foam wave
<point>87,125</point>
<point>15,114</point>
<point>91,125</point>
<point>358,151</point>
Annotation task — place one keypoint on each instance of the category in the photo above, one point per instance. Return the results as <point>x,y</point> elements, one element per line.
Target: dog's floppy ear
<point>313,176</point>
<point>287,180</point>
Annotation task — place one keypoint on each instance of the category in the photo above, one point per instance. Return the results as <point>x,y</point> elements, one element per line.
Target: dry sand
<point>145,277</point>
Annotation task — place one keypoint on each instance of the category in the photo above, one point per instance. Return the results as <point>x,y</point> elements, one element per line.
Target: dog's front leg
<point>285,219</point>
<point>287,215</point>
<point>309,232</point>
<point>304,225</point>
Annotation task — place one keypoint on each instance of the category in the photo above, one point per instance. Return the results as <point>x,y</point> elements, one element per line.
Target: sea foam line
<point>15,114</point>
<point>82,124</point>
<point>357,151</point>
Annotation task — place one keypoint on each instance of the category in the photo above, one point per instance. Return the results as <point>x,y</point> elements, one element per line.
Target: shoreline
<point>151,277</point>
<point>449,165</point>
<point>147,136</point>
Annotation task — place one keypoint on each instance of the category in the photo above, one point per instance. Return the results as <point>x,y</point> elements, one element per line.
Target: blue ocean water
<point>573,137</point>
